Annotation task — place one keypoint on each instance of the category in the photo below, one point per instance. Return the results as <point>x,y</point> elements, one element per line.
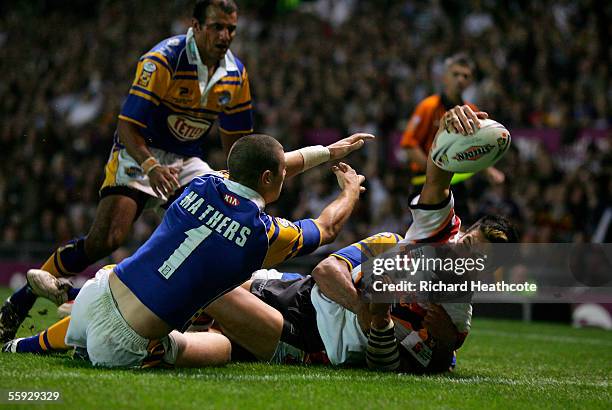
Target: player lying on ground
<point>209,242</point>
<point>301,319</point>
<point>304,317</point>
<point>59,291</point>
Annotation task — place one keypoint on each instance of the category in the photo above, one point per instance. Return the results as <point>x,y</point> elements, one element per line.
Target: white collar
<point>245,192</point>
<point>227,64</point>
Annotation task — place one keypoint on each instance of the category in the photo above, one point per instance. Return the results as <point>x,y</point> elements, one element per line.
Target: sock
<point>23,300</point>
<point>31,345</point>
<point>56,334</point>
<point>68,260</point>
<point>47,341</point>
<point>73,292</point>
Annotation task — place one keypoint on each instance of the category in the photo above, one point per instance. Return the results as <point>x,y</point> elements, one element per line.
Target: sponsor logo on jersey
<point>473,153</point>
<point>231,200</point>
<point>183,96</point>
<point>186,128</point>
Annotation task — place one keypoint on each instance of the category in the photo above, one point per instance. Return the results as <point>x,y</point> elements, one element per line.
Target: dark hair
<point>201,7</point>
<point>251,155</point>
<point>461,59</point>
<point>496,229</point>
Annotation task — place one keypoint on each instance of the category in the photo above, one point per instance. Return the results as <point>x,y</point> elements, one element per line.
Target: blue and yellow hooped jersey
<point>165,99</point>
<point>370,247</point>
<point>212,238</point>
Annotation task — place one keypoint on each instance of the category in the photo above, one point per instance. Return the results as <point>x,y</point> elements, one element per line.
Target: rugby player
<point>325,313</point>
<point>182,85</point>
<point>210,240</point>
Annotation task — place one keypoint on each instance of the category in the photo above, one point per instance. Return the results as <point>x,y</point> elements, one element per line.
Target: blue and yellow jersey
<point>212,238</point>
<point>166,102</point>
<point>370,247</point>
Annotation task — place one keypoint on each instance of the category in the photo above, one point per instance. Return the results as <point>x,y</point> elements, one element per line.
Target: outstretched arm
<point>334,216</point>
<point>303,159</point>
<point>437,182</point>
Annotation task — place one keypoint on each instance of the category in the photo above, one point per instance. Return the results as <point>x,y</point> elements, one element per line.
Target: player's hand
<point>342,148</point>
<point>440,326</point>
<point>462,120</point>
<point>380,315</point>
<point>348,178</point>
<point>164,181</point>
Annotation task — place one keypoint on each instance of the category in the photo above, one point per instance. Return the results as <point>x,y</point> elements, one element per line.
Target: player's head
<point>458,74</point>
<point>214,27</point>
<point>258,161</point>
<point>490,229</point>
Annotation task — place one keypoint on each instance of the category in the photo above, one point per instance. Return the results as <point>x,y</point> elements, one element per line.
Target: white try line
<point>544,338</point>
<point>327,377</point>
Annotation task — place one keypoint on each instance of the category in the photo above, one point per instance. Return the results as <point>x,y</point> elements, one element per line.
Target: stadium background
<point>318,71</point>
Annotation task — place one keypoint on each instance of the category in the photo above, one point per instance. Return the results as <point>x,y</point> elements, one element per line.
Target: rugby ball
<point>471,153</point>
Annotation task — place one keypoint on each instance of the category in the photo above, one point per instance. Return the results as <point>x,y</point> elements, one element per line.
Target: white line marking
<point>334,377</point>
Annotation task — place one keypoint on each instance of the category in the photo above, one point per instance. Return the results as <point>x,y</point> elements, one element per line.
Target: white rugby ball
<point>471,153</point>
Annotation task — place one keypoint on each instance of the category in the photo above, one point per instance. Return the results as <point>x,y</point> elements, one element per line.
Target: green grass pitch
<point>502,365</point>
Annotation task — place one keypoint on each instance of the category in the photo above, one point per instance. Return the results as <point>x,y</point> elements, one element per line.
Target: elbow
<point>329,232</point>
<point>323,269</point>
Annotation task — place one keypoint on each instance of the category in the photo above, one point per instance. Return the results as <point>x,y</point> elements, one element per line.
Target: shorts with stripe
<point>124,176</point>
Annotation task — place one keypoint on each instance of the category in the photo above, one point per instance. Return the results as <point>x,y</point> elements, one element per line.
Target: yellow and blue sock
<point>48,341</point>
<point>68,260</point>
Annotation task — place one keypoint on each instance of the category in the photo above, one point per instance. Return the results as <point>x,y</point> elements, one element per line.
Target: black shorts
<point>292,299</point>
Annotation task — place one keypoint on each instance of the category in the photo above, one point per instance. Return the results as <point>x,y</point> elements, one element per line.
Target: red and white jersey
<point>345,342</point>
<point>433,223</point>
<point>436,224</point>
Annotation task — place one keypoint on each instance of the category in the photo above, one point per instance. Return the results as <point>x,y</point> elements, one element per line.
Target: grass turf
<point>503,364</point>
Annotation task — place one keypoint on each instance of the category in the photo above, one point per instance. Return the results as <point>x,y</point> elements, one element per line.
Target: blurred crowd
<point>321,68</point>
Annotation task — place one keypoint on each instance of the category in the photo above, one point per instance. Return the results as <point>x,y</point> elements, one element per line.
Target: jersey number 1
<point>194,238</point>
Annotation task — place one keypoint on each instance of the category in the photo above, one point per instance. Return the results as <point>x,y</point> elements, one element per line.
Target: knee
<point>103,242</point>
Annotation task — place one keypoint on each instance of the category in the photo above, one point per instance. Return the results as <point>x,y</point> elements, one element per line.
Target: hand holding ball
<point>455,152</point>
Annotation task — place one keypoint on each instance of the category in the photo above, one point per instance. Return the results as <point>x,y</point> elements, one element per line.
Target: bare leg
<point>201,349</point>
<point>113,223</point>
<point>248,321</point>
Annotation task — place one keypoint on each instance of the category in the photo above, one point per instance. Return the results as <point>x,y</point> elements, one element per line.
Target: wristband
<point>149,164</point>
<point>314,155</point>
<point>152,167</point>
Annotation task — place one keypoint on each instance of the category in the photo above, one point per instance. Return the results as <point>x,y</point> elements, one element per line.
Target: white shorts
<point>98,326</point>
<point>123,170</point>
<point>345,342</point>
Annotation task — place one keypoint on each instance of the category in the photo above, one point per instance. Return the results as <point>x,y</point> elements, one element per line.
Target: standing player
<point>210,240</point>
<point>423,124</point>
